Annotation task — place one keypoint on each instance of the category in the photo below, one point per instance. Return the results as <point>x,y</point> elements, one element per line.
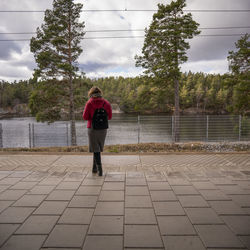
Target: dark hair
<point>94,91</point>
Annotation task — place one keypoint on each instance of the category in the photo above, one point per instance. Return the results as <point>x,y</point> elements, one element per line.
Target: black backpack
<point>100,118</point>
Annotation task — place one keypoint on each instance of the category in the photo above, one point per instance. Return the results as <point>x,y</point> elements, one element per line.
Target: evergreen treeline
<point>204,93</point>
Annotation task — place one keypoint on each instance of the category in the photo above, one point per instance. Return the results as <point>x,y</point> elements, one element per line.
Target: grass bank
<point>147,148</point>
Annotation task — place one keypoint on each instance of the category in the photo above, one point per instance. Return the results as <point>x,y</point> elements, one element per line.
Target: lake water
<point>124,129</point>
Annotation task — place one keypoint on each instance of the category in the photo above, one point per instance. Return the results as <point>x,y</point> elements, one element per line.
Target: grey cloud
<point>210,48</point>
<point>94,66</point>
<point>7,47</point>
<point>28,62</point>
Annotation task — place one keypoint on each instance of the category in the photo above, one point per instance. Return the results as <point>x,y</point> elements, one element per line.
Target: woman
<point>96,136</point>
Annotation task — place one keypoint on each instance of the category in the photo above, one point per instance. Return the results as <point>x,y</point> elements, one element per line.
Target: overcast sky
<point>115,57</point>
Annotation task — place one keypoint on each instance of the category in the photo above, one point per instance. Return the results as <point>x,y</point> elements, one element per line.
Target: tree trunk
<point>72,114</point>
<point>177,112</point>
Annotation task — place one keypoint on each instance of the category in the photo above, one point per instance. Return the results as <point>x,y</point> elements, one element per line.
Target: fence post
<point>239,127</point>
<point>172,128</point>
<point>207,128</point>
<point>138,128</point>
<point>1,136</point>
<point>33,135</point>
<point>67,134</point>
<point>30,136</point>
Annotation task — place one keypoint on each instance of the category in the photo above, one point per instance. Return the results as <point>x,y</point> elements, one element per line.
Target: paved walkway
<point>173,202</point>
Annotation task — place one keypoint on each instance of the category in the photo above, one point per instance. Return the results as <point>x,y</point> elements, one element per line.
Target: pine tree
<point>165,46</point>
<point>239,65</point>
<point>56,49</point>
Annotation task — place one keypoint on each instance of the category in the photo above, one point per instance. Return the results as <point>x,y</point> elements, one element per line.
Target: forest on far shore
<point>199,92</point>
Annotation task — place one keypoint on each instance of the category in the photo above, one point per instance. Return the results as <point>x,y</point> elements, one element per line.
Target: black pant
<point>97,158</point>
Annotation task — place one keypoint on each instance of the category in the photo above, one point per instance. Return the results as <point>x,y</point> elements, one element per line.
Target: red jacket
<point>93,104</point>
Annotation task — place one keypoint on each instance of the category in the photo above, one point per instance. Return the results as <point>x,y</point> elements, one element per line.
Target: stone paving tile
<point>241,200</point>
<point>213,195</point>
<point>138,201</point>
<point>168,208</point>
<point>233,189</point>
<point>12,195</point>
<point>93,182</point>
<point>137,190</point>
<point>155,177</point>
<point>66,236</point>
<point>175,225</point>
<point>111,196</point>
<point>29,201</point>
<point>24,242</point>
<point>60,195</point>
<point>209,235</point>
<point>114,177</point>
<point>109,208</point>
<point>6,230</point>
<point>75,176</point>
<point>178,182</point>
<point>15,214</point>
<point>184,190</point>
<point>88,190</point>
<point>192,201</point>
<point>68,185</point>
<point>233,174</point>
<point>41,190</point>
<point>36,224</point>
<point>142,236</point>
<point>51,208</point>
<point>183,243</point>
<point>20,174</point>
<point>158,186</point>
<point>113,186</point>
<point>245,240</point>
<point>163,196</point>
<point>50,181</point>
<point>203,216</point>
<point>83,201</point>
<point>93,242</point>
<point>136,174</point>
<point>204,185</point>
<point>240,225</point>
<point>196,175</point>
<point>221,181</point>
<point>244,184</point>
<point>36,176</point>
<point>105,225</point>
<point>4,205</point>
<point>9,181</point>
<point>136,182</point>
<point>76,216</point>
<point>24,185</point>
<point>56,248</point>
<point>226,208</point>
<point>4,187</point>
<point>140,216</point>
<point>130,248</point>
<point>246,210</point>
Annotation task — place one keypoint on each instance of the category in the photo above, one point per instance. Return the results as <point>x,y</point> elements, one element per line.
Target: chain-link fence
<point>125,129</point>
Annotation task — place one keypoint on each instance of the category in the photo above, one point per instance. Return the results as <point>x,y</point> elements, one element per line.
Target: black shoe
<point>94,169</point>
<point>99,170</point>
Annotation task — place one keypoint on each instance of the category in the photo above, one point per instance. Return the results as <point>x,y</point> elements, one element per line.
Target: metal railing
<point>125,129</point>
